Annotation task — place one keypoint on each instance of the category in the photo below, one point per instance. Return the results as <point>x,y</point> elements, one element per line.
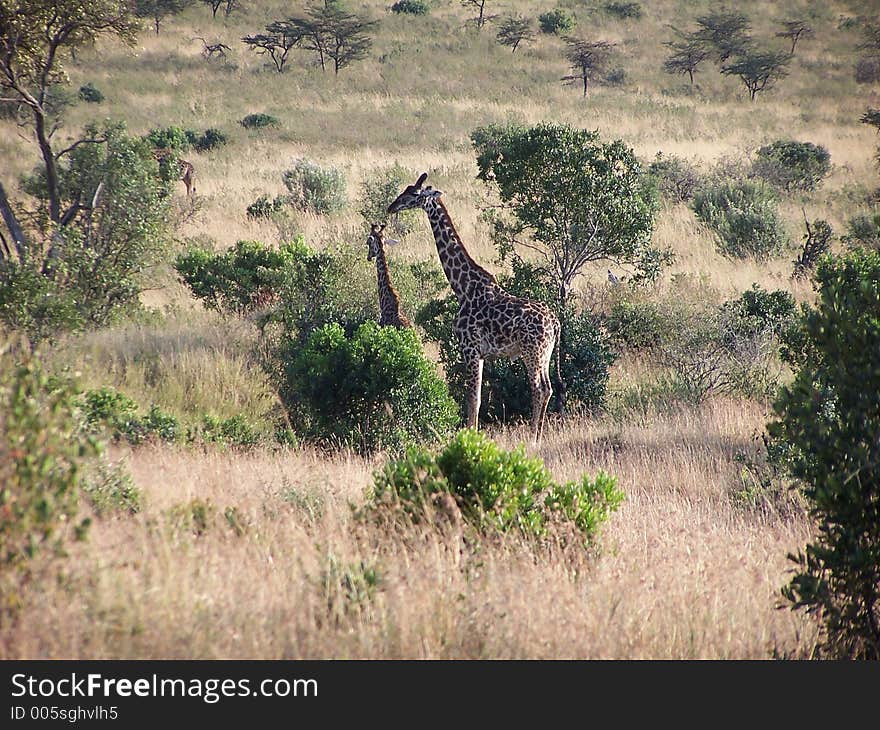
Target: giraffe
<point>389,300</point>
<point>183,170</point>
<point>490,321</point>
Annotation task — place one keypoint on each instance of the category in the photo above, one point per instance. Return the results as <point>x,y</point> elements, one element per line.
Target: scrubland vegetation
<point>209,449</point>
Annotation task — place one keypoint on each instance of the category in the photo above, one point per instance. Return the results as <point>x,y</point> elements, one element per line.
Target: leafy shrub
<point>379,189</point>
<point>635,322</point>
<point>235,431</point>
<point>238,281</point>
<point>792,165</point>
<point>194,517</point>
<point>266,207</point>
<point>169,138</point>
<point>111,489</point>
<point>259,121</point>
<point>116,414</point>
<point>90,93</point>
<point>495,488</point>
<point>210,139</point>
<point>348,588</point>
<point>614,77</point>
<point>744,218</point>
<point>314,188</point>
<point>624,10</point>
<point>375,389</point>
<point>829,415</point>
<point>411,7</point>
<point>42,459</point>
<point>758,309</point>
<point>676,179</point>
<point>867,70</point>
<point>817,242</point>
<point>863,231</point>
<point>556,22</point>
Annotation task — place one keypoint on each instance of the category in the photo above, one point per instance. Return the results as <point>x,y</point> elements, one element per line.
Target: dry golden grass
<point>684,571</point>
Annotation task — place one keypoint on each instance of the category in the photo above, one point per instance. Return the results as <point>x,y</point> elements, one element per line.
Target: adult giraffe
<point>389,300</point>
<point>490,321</point>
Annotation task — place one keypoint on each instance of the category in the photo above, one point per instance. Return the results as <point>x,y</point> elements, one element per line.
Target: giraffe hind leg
<point>474,366</point>
<point>541,392</point>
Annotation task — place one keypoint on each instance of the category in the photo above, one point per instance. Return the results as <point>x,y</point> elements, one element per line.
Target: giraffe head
<point>414,196</point>
<point>376,240</point>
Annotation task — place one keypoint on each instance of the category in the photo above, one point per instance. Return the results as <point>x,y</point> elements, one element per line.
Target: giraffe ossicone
<point>491,322</point>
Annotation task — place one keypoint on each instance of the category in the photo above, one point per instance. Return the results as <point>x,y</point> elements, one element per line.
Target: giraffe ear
<point>422,178</point>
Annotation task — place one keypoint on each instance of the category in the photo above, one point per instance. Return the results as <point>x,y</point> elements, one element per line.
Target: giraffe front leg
<point>474,368</point>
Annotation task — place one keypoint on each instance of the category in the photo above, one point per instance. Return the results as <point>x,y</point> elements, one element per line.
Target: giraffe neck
<point>460,269</point>
<point>389,301</point>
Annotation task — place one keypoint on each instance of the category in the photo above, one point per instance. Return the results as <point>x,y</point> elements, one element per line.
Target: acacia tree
<point>794,30</point>
<point>333,33</point>
<point>36,36</point>
<point>588,59</point>
<point>513,31</point>
<point>758,69</point>
<point>479,7</point>
<point>158,10</point>
<point>687,54</point>
<point>724,32</point>
<point>280,37</point>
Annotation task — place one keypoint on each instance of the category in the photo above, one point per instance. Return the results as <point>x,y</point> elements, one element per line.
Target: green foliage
<point>829,415</point>
<point>724,32</point>
<point>675,178</point>
<point>259,120</point>
<point>411,7</point>
<point>234,431</point>
<point>90,272</point>
<point>238,281</point>
<point>817,242</point>
<point>266,207</point>
<point>195,517</point>
<point>624,10</point>
<point>109,411</point>
<point>90,93</point>
<point>758,69</point>
<point>512,31</point>
<point>635,321</point>
<point>379,189</point>
<point>209,139</point>
<point>556,22</point>
<point>495,488</point>
<point>42,458</point>
<point>743,217</point>
<point>314,188</point>
<point>791,165</point>
<point>110,488</point>
<point>570,197</point>
<point>372,390</point>
<point>863,231</point>
<point>169,138</point>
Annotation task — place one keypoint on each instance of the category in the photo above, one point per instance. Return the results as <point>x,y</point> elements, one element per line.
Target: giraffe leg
<point>541,392</point>
<point>474,367</point>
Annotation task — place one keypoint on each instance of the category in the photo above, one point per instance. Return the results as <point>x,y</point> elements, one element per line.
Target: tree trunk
<point>157,25</point>
<point>51,168</point>
<point>691,74</point>
<point>12,224</point>
<point>585,85</point>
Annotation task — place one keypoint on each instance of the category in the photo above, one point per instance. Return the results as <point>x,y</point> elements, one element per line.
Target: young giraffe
<point>184,171</point>
<point>389,300</point>
<point>490,321</point>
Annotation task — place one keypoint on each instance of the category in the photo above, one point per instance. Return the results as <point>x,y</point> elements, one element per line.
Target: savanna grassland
<point>272,561</point>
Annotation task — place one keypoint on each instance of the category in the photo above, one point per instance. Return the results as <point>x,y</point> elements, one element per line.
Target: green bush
<point>42,460</point>
<point>411,7</point>
<point>379,189</point>
<point>169,138</point>
<point>266,207</point>
<point>372,390</point>
<point>624,10</point>
<point>829,415</point>
<point>210,139</point>
<point>495,488</point>
<point>107,410</point>
<point>675,178</point>
<point>110,488</point>
<point>89,93</point>
<point>238,281</point>
<point>635,322</point>
<point>314,188</point>
<point>791,165</point>
<point>556,22</point>
<point>234,431</point>
<point>744,218</point>
<point>863,231</point>
<point>259,121</point>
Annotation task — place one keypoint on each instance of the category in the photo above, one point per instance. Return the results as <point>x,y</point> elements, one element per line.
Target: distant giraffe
<point>490,321</point>
<point>389,300</point>
<point>181,169</point>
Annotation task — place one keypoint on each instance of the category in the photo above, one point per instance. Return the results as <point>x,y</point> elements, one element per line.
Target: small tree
<point>158,10</point>
<point>724,32</point>
<point>333,33</point>
<point>687,54</point>
<point>556,22</point>
<point>478,7</point>
<point>513,31</point>
<point>758,69</point>
<point>817,242</point>
<point>280,37</point>
<point>794,30</point>
<point>588,59</point>
<point>829,415</point>
<point>214,5</point>
<point>872,117</point>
